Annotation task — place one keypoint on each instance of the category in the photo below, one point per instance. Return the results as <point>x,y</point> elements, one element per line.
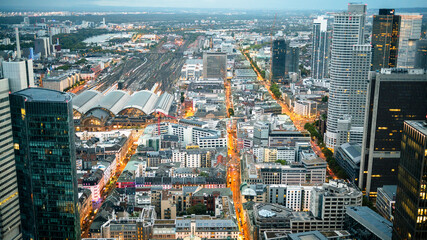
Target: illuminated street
<point>233,171</point>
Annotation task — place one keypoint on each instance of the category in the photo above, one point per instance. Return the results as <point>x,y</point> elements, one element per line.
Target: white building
<point>20,74</point>
<point>192,69</point>
<point>305,108</point>
<point>212,142</point>
<point>349,67</point>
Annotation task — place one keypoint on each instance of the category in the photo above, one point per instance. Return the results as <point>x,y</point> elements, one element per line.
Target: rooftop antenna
<point>18,47</point>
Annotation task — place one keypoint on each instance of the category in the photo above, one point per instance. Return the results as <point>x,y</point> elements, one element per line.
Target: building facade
<point>214,65</point>
<point>349,59</point>
<point>384,118</point>
<point>410,221</point>
<point>43,139</point>
<point>421,54</point>
<point>386,200</point>
<point>20,74</point>
<point>320,49</point>
<point>385,39</point>
<point>410,32</point>
<point>10,222</point>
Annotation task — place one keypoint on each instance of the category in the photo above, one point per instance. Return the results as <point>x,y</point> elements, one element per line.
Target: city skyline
<point>133,5</point>
<point>240,120</point>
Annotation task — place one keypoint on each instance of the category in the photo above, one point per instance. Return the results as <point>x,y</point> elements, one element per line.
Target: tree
<point>275,90</point>
<point>231,112</point>
<point>83,60</point>
<point>198,209</point>
<point>281,161</point>
<point>182,97</point>
<point>203,174</point>
<point>325,99</point>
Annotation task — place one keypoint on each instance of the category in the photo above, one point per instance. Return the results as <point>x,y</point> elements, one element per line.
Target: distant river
<point>105,37</point>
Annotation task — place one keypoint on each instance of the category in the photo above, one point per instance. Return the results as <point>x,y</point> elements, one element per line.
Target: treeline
<point>262,72</point>
<point>275,90</point>
<point>13,46</point>
<point>74,41</point>
<point>332,163</point>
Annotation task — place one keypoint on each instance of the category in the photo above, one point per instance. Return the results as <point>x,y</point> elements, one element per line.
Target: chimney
<point>18,47</point>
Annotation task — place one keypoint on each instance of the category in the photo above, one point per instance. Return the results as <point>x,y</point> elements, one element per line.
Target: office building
<point>329,202</point>
<point>348,157</point>
<point>261,133</point>
<point>386,200</point>
<point>394,95</point>
<point>410,32</point>
<point>421,54</point>
<point>364,223</point>
<point>292,60</point>
<point>20,74</point>
<point>327,212</point>
<point>350,63</point>
<point>285,59</point>
<point>205,227</point>
<point>214,65</point>
<point>410,220</point>
<point>42,46</point>
<point>43,139</point>
<point>278,60</point>
<point>295,197</point>
<point>385,39</point>
<point>61,80</point>
<point>320,49</point>
<point>9,203</point>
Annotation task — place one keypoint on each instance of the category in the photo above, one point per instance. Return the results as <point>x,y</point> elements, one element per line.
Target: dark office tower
<point>320,49</point>
<point>410,218</point>
<point>292,60</point>
<point>421,54</point>
<point>214,65</point>
<point>9,202</point>
<point>393,97</point>
<point>43,139</point>
<point>385,39</point>
<point>278,60</point>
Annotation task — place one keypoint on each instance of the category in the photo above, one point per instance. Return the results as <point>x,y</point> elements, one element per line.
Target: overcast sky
<point>236,4</point>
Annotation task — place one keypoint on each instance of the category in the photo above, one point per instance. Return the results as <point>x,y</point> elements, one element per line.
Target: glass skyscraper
<point>43,139</point>
<point>393,97</point>
<point>385,39</point>
<point>409,33</point>
<point>284,59</point>
<point>320,49</point>
<point>410,219</point>
<point>9,202</point>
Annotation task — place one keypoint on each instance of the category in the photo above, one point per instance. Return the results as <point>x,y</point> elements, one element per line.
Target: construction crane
<point>271,48</point>
<point>158,120</point>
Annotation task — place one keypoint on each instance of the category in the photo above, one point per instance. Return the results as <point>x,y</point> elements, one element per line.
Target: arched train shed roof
<point>86,100</point>
<point>143,100</point>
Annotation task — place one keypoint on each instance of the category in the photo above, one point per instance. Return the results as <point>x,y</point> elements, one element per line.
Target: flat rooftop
<point>371,221</point>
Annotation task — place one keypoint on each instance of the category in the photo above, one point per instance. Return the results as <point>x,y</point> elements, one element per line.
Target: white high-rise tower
<point>349,69</point>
